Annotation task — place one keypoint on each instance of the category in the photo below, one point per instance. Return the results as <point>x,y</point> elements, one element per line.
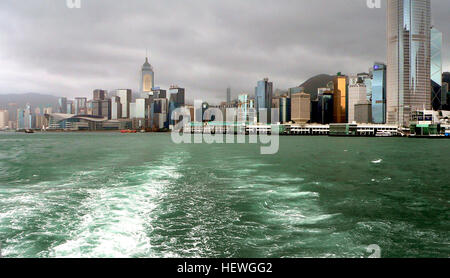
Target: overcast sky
<point>202,45</point>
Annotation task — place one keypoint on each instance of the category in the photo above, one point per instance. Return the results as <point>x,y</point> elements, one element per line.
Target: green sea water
<point>140,195</point>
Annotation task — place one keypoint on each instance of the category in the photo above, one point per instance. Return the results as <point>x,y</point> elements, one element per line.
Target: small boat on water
<point>128,131</point>
<point>29,131</point>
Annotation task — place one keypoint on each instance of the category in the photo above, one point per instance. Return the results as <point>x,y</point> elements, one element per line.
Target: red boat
<point>128,131</point>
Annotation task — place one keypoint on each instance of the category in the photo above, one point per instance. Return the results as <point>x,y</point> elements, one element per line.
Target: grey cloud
<point>203,45</point>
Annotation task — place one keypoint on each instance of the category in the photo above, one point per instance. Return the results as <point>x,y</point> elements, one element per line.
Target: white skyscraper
<point>125,100</point>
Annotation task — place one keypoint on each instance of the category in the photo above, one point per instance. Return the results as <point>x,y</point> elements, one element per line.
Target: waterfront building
<point>379,93</point>
<point>102,108</point>
<point>81,106</point>
<point>58,121</point>
<point>408,59</point>
<point>325,108</point>
<point>12,109</point>
<point>70,107</point>
<point>424,122</point>
<point>161,105</point>
<point>125,100</point>
<point>363,112</point>
<point>340,98</point>
<point>177,96</point>
<point>142,108</point>
<point>147,80</point>
<point>132,110</point>
<point>445,96</point>
<point>62,105</point>
<point>96,108</point>
<point>116,108</point>
<point>301,108</point>
<point>160,113</point>
<point>356,94</point>
<point>176,100</point>
<point>89,106</point>
<point>263,97</point>
<point>4,119</point>
<point>20,118</point>
<point>315,111</point>
<point>285,109</point>
<point>437,94</point>
<point>28,117</point>
<point>39,119</point>
<point>246,109</point>
<point>24,118</point>
<point>106,108</point>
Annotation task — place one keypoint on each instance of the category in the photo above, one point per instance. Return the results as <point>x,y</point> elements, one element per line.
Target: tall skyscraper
<point>325,107</point>
<point>147,78</point>
<point>379,94</point>
<point>125,100</point>
<point>228,96</point>
<point>246,110</point>
<point>285,109</point>
<point>340,99</point>
<point>436,69</point>
<point>263,97</point>
<point>356,94</point>
<point>80,106</point>
<point>176,100</point>
<point>70,109</point>
<point>62,105</point>
<point>301,108</point>
<point>4,118</point>
<point>116,108</point>
<point>408,59</point>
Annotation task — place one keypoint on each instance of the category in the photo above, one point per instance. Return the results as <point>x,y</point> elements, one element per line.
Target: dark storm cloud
<point>204,45</point>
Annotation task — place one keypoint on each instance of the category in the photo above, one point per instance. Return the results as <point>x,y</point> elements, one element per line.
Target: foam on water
<point>118,219</point>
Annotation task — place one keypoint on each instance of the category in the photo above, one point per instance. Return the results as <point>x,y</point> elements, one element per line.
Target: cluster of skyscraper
<point>120,109</point>
<point>411,81</point>
<point>391,93</point>
<point>23,118</point>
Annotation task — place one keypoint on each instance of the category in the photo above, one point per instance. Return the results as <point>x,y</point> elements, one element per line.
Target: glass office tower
<point>379,93</point>
<point>62,105</point>
<point>437,95</point>
<point>340,99</point>
<point>263,97</point>
<point>408,59</point>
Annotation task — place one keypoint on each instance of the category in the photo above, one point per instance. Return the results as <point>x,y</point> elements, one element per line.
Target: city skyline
<point>61,69</point>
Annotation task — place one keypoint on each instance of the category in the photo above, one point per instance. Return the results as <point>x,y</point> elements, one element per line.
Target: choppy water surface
<point>139,195</point>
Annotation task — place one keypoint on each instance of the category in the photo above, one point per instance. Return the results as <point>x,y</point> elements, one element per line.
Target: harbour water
<point>140,195</point>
